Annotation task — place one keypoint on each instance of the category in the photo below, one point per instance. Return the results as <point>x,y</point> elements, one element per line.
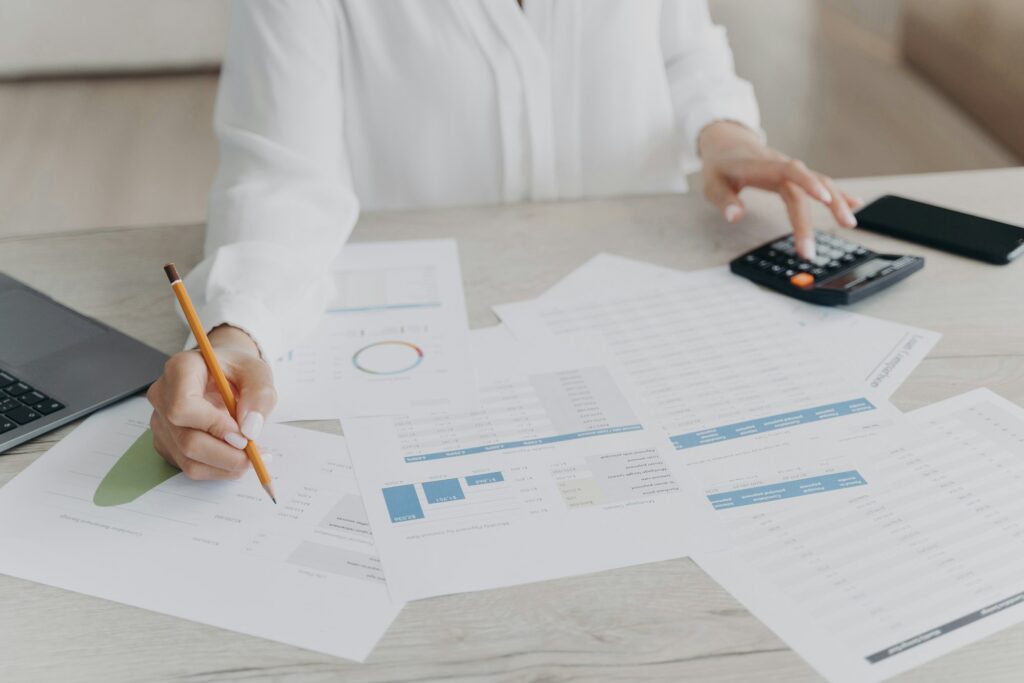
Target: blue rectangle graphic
<point>403,504</point>
<point>443,491</point>
<point>786,489</point>
<point>489,478</point>
<point>521,444</point>
<point>767,424</point>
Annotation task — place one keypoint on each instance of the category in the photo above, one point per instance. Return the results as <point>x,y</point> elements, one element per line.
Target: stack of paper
<point>630,414</point>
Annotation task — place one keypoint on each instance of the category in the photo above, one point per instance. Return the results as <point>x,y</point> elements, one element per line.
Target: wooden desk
<point>665,621</point>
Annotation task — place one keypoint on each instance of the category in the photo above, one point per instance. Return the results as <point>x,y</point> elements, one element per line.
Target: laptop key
<point>48,406</point>
<point>6,379</point>
<point>6,425</point>
<point>17,389</point>
<point>7,403</point>
<point>22,415</point>
<point>32,397</point>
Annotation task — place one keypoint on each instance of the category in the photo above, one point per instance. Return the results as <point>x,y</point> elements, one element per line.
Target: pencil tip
<point>270,492</point>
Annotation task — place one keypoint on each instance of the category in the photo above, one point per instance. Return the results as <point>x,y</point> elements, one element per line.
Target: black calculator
<point>841,273</point>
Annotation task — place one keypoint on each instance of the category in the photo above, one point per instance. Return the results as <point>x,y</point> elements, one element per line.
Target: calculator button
<point>849,258</point>
<point>802,280</point>
<point>816,272</point>
<point>834,264</point>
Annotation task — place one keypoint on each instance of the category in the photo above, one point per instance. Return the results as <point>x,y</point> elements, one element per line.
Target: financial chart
<point>711,361</point>
<point>546,451</point>
<point>393,338</point>
<point>913,547</point>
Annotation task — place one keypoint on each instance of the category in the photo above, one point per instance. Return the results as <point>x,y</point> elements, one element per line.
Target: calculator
<point>841,273</point>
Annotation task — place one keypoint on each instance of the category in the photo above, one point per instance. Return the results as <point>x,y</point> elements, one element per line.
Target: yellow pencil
<point>219,379</point>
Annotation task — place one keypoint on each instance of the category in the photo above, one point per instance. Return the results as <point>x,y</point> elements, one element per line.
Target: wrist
<point>227,336</point>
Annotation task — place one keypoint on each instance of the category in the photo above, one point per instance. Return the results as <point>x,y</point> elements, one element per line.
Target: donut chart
<point>389,357</point>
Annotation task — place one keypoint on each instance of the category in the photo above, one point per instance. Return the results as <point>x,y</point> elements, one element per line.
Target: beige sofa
<point>974,52</point>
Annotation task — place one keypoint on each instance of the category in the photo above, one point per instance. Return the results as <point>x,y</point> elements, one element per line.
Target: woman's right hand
<point>192,428</point>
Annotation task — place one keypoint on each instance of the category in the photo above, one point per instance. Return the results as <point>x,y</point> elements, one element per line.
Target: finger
<point>160,440</point>
<point>797,173</point>
<point>192,444</point>
<point>840,209</point>
<point>854,202</point>
<point>179,397</point>
<point>770,174</point>
<point>719,192</point>
<point>256,394</point>
<point>799,218</point>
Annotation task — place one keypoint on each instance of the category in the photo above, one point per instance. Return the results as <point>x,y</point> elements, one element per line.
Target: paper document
<point>102,514</point>
<point>875,353</point>
<point>711,360</point>
<point>552,475</point>
<point>909,546</point>
<point>395,337</point>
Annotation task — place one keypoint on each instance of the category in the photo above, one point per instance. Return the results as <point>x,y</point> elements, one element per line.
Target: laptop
<point>57,365</point>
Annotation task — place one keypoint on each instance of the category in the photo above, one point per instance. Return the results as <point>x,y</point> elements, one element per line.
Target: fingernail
<point>807,249</point>
<point>732,213</point>
<point>849,220</point>
<point>824,195</point>
<point>235,439</point>
<point>252,425</point>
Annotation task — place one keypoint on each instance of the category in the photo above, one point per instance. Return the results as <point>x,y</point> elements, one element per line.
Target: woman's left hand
<point>734,158</point>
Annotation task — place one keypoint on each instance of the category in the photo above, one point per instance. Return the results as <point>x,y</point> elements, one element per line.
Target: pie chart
<point>390,357</point>
<point>139,470</point>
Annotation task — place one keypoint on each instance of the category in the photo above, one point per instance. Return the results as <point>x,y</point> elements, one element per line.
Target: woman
<point>326,105</point>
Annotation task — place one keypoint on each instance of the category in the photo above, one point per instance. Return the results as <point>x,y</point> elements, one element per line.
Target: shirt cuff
<point>248,315</point>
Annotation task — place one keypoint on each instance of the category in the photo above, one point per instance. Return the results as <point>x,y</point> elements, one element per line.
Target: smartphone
<point>934,226</point>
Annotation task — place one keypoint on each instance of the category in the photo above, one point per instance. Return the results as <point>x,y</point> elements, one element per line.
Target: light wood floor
<point>83,153</point>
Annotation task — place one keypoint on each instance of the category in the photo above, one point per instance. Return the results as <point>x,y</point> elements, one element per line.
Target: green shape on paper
<point>140,469</point>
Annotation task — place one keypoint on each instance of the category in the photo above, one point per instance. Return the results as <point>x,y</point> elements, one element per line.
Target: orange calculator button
<point>802,280</point>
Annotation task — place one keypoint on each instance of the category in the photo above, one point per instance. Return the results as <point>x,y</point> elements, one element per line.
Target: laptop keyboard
<point>21,404</point>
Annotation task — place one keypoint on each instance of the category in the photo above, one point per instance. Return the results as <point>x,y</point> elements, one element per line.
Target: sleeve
<point>702,79</point>
<point>282,203</point>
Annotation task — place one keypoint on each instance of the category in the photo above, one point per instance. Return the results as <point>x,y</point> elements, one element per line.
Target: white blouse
<point>329,105</point>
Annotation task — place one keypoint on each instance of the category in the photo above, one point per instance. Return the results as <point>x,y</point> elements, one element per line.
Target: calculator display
<point>858,274</point>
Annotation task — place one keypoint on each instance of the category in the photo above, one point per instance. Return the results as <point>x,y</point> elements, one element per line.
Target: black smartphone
<point>934,226</point>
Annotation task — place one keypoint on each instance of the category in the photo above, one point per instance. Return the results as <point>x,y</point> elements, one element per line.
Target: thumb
<point>256,394</point>
<point>720,193</point>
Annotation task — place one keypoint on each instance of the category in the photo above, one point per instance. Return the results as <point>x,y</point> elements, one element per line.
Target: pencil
<point>219,379</point>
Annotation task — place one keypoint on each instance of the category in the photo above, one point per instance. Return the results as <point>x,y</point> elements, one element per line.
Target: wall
<point>46,37</point>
